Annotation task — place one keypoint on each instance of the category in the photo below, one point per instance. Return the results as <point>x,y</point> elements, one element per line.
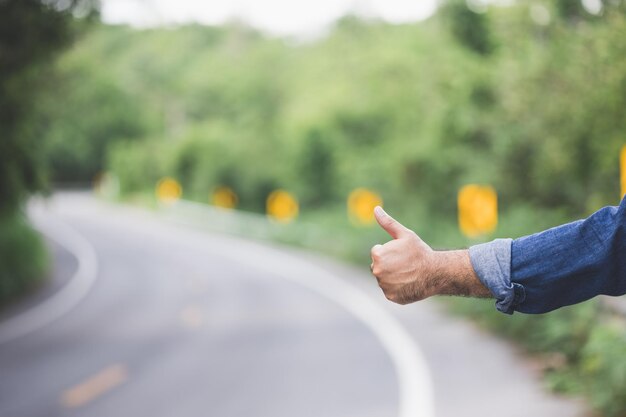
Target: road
<point>156,320</point>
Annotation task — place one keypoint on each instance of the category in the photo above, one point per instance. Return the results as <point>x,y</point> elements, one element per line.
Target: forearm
<point>441,273</point>
<point>453,274</point>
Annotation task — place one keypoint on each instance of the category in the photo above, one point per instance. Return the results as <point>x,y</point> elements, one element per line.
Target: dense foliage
<point>22,52</point>
<point>22,256</point>
<point>31,31</point>
<point>413,111</point>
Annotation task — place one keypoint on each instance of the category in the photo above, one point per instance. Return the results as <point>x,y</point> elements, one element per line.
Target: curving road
<point>146,318</point>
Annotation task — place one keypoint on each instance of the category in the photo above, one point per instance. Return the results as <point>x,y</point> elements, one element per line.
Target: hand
<point>403,266</point>
<point>408,270</point>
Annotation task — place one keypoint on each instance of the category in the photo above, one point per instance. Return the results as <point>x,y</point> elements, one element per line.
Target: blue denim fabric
<point>492,263</point>
<point>558,267</point>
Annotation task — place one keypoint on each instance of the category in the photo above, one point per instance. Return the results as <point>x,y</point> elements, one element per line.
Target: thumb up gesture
<point>404,265</point>
<point>408,270</point>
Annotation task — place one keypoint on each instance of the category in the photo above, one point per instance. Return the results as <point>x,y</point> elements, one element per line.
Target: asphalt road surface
<point>147,318</point>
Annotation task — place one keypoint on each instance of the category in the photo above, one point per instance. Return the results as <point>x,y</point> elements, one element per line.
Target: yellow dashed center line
<point>92,388</point>
<point>191,317</point>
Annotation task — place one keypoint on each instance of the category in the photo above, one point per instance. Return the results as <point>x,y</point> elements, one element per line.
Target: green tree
<point>95,114</point>
<point>31,32</point>
<point>471,29</point>
<point>317,170</point>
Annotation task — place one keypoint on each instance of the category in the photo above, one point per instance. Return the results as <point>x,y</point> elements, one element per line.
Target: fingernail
<point>379,210</point>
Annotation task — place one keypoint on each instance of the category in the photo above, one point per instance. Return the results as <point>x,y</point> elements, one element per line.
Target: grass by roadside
<point>582,348</point>
<point>23,257</point>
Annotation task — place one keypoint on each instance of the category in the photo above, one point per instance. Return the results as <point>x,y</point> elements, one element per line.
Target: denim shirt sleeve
<point>492,264</point>
<point>561,266</point>
<point>572,263</point>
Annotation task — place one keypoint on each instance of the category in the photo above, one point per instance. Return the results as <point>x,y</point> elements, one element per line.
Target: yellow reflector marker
<point>478,210</point>
<point>361,203</point>
<point>168,190</point>
<point>623,170</point>
<point>224,197</point>
<point>282,206</point>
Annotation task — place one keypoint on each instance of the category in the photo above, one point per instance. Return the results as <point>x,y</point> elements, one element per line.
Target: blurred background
<point>337,106</point>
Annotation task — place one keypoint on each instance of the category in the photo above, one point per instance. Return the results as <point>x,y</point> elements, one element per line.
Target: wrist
<point>452,274</point>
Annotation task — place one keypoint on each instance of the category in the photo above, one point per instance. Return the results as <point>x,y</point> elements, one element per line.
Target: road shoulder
<point>475,373</point>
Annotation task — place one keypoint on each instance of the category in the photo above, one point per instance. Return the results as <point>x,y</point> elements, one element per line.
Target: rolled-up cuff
<point>492,264</point>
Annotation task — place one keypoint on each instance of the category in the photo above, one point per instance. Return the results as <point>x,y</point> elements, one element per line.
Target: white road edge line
<point>70,295</point>
<point>416,394</point>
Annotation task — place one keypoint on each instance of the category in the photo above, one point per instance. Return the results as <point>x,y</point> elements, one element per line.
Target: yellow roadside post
<point>224,197</point>
<point>97,182</point>
<point>282,206</point>
<point>168,190</point>
<point>361,203</point>
<point>478,210</point>
<point>623,170</point>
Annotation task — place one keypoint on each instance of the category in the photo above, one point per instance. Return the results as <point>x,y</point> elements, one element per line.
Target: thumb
<point>391,225</point>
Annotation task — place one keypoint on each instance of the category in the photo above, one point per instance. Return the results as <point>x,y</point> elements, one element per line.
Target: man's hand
<point>408,270</point>
<point>403,265</point>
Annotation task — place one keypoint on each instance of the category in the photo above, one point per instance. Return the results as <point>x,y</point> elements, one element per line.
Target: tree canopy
<point>31,32</point>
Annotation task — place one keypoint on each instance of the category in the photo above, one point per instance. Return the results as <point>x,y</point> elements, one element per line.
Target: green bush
<point>23,257</point>
<point>603,367</point>
<point>592,348</point>
<point>138,165</point>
